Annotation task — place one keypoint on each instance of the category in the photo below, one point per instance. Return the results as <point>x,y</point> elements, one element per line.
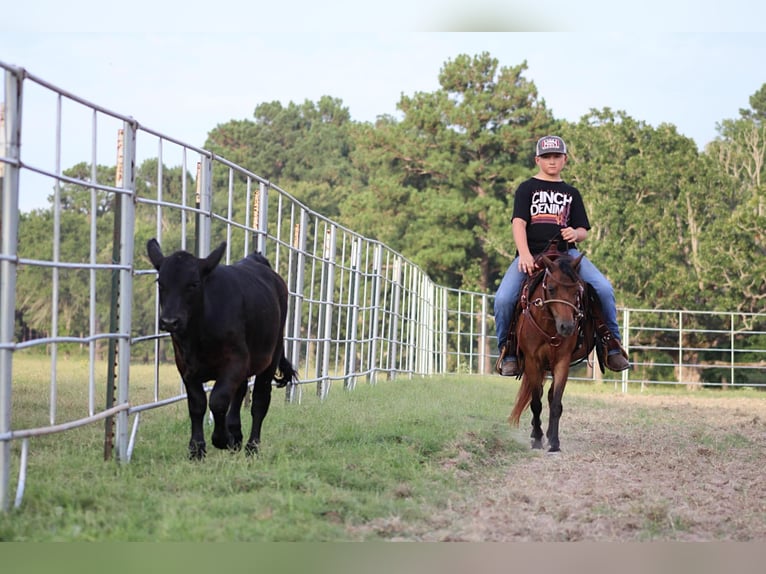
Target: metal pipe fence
<point>358,311</point>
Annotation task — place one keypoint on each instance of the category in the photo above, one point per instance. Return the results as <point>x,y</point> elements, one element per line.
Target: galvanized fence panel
<point>358,311</point>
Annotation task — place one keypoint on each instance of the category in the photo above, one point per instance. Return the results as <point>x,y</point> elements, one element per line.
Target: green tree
<point>303,148</point>
<point>739,154</point>
<point>438,184</point>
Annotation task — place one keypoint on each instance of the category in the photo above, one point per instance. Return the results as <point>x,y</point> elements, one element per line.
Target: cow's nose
<point>170,324</point>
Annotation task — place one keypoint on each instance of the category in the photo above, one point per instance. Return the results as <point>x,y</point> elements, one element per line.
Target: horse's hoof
<point>537,444</point>
<point>554,449</point>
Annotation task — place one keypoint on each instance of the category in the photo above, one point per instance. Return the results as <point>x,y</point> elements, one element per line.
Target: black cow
<point>227,324</point>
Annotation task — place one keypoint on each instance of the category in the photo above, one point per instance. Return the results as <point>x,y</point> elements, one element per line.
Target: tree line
<point>673,227</point>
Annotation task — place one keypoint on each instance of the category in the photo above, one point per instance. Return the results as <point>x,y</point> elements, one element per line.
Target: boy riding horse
<point>546,207</point>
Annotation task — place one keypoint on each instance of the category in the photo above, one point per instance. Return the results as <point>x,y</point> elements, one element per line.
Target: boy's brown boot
<point>510,368</point>
<point>616,358</point>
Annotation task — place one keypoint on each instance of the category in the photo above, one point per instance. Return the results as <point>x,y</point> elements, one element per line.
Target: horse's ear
<point>155,253</point>
<point>576,262</point>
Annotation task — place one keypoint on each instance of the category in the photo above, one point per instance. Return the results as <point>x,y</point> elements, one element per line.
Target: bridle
<point>553,340</point>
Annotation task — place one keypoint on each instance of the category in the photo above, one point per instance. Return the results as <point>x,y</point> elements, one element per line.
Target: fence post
<point>9,224</point>
<point>114,305</point>
<point>127,231</point>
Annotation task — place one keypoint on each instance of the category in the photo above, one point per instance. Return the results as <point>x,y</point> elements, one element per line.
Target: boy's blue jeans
<point>510,287</point>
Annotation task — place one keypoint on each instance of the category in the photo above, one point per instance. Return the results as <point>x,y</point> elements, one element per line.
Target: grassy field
<point>392,451</point>
<point>361,465</point>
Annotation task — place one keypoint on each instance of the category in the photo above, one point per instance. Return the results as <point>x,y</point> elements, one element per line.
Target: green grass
<point>336,470</point>
<point>379,452</point>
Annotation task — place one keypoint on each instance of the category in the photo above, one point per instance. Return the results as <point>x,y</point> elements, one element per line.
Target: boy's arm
<point>526,260</point>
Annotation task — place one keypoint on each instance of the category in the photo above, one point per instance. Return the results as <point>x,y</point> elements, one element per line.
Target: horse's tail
<point>287,372</point>
<point>523,398</point>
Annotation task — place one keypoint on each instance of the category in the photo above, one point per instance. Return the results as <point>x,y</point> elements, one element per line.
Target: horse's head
<point>563,292</point>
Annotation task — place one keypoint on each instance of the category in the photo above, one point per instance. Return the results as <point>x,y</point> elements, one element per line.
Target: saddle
<point>592,331</point>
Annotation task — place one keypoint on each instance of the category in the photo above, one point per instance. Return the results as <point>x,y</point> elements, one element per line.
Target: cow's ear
<point>155,253</point>
<point>209,263</point>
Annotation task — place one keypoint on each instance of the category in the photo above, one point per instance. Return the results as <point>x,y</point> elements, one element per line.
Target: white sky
<point>183,68</point>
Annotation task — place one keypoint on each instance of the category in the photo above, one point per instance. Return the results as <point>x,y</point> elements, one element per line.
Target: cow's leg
<point>233,420</point>
<point>225,389</point>
<point>259,409</point>
<point>197,403</point>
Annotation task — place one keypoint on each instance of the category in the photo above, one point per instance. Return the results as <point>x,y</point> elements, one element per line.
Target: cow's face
<point>181,278</point>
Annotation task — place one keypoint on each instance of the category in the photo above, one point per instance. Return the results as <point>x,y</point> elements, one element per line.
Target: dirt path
<point>632,468</point>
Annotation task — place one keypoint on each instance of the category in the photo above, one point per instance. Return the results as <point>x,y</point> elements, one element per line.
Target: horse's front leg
<point>536,406</point>
<point>555,394</point>
<point>196,400</point>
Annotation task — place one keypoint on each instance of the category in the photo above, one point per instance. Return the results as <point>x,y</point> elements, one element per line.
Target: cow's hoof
<point>251,449</point>
<point>235,434</point>
<point>221,440</point>
<point>197,451</point>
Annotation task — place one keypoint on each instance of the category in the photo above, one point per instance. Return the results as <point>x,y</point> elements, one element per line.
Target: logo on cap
<point>551,144</point>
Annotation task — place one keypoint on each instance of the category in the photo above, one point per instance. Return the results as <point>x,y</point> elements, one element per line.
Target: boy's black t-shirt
<point>547,207</point>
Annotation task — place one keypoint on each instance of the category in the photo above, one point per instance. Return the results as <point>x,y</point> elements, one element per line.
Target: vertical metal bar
<point>127,201</point>
<point>229,209</point>
<point>732,354</point>
<point>22,473</point>
<point>197,204</point>
<point>9,224</point>
<point>483,341</point>
<point>184,196</point>
<point>354,282</point>
<point>205,197</point>
<point>263,216</point>
<point>681,372</point>
<point>158,236</point>
<point>55,271</point>
<point>329,261</point>
<point>341,343</point>
<point>626,332</point>
<point>375,315</point>
<point>443,325</point>
<point>92,282</point>
<point>248,195</point>
<point>299,244</point>
<point>459,331</point>
<point>393,362</point>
